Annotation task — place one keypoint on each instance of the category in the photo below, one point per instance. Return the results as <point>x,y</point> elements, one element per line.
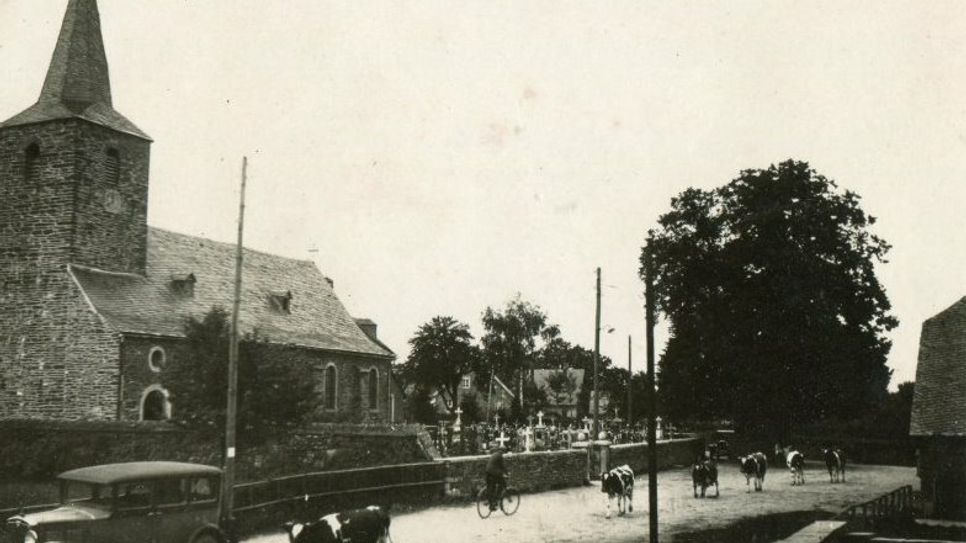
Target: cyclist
<point>495,476</point>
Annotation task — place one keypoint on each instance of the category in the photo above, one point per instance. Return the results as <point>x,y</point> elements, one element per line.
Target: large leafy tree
<point>442,353</point>
<point>276,386</point>
<point>777,317</point>
<point>512,338</point>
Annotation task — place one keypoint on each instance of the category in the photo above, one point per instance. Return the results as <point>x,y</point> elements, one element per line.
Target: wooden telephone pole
<point>228,480</point>
<point>651,397</point>
<point>594,431</point>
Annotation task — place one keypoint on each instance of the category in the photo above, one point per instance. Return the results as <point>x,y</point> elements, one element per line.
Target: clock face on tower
<point>112,201</point>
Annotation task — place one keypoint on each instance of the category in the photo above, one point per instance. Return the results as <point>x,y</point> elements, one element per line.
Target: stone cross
<point>459,411</point>
<point>496,419</point>
<point>530,419</point>
<point>502,439</point>
<point>528,439</point>
<point>540,419</point>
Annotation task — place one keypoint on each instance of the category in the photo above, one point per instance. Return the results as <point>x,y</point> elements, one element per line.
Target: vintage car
<point>132,502</point>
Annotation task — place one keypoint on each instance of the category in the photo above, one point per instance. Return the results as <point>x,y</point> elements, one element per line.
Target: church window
<point>156,359</point>
<point>281,301</point>
<point>373,389</point>
<point>31,159</point>
<point>112,166</point>
<point>330,386</point>
<point>155,404</point>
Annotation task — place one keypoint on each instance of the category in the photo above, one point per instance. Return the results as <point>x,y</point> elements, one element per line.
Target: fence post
<point>446,480</point>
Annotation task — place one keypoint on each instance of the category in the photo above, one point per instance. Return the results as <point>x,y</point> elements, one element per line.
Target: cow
<point>618,483</point>
<point>704,473</point>
<point>369,525</point>
<point>835,462</point>
<point>795,462</point>
<point>754,467</point>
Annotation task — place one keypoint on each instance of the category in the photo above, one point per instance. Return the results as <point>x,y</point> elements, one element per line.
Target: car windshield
<point>89,494</point>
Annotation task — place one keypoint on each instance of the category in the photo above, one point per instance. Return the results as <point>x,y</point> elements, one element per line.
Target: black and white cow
<point>754,467</point>
<point>835,462</point>
<point>704,473</point>
<point>795,462</point>
<point>369,525</point>
<point>618,483</point>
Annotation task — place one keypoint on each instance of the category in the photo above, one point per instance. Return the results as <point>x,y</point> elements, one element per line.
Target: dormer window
<point>183,285</point>
<point>31,156</point>
<point>281,301</point>
<point>112,166</point>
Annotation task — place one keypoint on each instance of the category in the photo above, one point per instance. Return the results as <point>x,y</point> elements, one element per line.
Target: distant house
<point>562,387</point>
<point>475,387</point>
<point>938,422</point>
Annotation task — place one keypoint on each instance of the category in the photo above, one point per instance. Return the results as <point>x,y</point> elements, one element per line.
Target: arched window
<point>31,157</point>
<point>330,387</point>
<point>154,404</point>
<point>156,359</point>
<point>373,389</point>
<point>112,166</point>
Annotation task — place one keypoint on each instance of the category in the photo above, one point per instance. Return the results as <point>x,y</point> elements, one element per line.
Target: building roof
<point>541,378</point>
<point>77,83</point>
<point>153,305</point>
<point>939,398</point>
<point>106,474</point>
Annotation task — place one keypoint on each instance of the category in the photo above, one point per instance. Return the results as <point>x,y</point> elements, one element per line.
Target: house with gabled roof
<point>94,301</point>
<point>938,420</point>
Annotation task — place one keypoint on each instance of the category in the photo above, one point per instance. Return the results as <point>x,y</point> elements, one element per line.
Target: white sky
<point>442,156</point>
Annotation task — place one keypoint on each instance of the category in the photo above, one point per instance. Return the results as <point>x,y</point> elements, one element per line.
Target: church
<point>93,300</point>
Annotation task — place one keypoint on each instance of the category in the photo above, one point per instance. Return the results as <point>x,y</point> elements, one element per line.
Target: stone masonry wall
<point>538,471</point>
<point>57,358</point>
<point>59,361</point>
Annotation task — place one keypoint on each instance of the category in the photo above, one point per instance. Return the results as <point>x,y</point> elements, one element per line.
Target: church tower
<point>73,192</point>
<point>73,171</point>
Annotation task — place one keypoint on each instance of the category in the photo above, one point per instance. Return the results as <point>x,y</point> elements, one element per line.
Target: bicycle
<point>509,501</point>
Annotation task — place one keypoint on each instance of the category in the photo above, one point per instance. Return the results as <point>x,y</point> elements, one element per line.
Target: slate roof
<point>150,305</point>
<point>541,379</point>
<point>939,398</point>
<point>77,83</point>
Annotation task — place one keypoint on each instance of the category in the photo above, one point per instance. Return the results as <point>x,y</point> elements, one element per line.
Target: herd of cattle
<point>371,525</point>
<point>618,483</point>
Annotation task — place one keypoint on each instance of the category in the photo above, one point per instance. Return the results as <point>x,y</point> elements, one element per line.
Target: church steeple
<point>78,68</point>
<point>77,83</point>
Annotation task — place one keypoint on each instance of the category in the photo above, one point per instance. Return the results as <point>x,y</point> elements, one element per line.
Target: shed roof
<point>939,398</point>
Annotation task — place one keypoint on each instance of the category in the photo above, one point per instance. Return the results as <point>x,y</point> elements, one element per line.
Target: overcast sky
<point>441,156</point>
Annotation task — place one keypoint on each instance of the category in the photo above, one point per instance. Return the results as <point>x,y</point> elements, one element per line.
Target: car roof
<point>131,471</point>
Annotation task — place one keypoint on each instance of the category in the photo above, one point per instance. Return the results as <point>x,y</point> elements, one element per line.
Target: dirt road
<point>577,514</point>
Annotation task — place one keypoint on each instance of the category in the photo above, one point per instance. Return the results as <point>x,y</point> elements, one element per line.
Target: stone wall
<point>58,359</point>
<point>538,471</point>
<point>32,450</point>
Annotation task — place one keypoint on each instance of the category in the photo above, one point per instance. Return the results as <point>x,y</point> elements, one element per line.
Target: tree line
<point>518,339</point>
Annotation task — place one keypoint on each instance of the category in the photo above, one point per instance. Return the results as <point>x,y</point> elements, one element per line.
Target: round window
<point>156,359</point>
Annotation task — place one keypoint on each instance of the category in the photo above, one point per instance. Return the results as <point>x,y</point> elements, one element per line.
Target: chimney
<point>368,328</point>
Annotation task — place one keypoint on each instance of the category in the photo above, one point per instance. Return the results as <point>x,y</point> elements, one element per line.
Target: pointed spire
<point>78,68</point>
<point>77,83</point>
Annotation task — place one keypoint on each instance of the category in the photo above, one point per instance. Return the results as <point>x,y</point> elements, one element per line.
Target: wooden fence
<point>895,504</point>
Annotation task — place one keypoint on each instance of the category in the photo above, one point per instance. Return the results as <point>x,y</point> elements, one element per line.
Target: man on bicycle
<point>495,476</point>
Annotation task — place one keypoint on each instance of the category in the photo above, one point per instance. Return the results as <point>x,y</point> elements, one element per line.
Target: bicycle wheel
<point>482,503</point>
<point>510,502</point>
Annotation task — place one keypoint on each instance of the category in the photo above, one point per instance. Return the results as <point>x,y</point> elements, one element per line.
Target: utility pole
<point>651,397</point>
<point>630,382</point>
<point>594,430</point>
<point>228,481</point>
